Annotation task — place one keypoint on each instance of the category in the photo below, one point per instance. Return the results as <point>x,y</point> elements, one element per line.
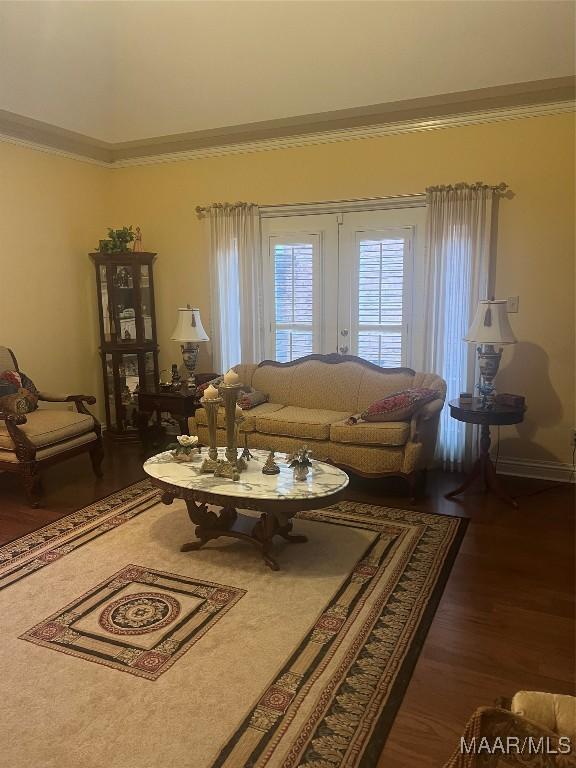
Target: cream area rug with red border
<point>118,650</point>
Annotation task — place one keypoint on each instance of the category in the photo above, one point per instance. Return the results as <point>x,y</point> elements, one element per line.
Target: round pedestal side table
<point>483,467</point>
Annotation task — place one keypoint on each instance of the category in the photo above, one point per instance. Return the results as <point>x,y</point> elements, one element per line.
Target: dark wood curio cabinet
<point>128,344</point>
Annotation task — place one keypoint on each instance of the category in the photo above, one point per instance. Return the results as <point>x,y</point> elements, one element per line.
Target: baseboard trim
<point>554,471</point>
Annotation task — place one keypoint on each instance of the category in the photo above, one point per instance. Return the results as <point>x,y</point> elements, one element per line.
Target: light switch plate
<point>512,303</point>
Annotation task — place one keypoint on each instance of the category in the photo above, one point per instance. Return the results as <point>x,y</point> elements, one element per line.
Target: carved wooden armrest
<point>79,400</point>
<point>23,448</point>
<point>13,418</point>
<point>52,398</point>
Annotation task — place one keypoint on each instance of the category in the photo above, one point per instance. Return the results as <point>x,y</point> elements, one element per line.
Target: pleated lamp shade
<point>189,326</point>
<point>491,324</point>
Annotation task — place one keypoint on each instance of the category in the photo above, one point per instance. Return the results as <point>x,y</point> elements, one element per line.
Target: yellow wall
<point>535,156</point>
<point>55,210</point>
<point>52,213</point>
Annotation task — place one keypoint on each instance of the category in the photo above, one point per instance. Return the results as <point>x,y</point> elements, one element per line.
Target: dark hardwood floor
<point>505,621</point>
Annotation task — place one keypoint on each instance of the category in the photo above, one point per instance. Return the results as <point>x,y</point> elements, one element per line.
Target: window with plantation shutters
<point>294,299</point>
<point>343,283</point>
<point>380,292</point>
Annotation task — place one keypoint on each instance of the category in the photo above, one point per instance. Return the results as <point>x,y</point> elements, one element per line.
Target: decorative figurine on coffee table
<point>270,467</point>
<point>300,462</point>
<point>246,455</point>
<point>185,449</point>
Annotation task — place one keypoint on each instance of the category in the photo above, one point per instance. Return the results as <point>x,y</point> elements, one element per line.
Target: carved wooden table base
<point>228,522</point>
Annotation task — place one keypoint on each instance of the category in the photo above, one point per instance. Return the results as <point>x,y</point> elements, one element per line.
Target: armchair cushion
<point>46,427</point>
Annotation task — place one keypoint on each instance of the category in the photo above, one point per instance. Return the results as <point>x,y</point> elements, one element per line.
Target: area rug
<point>118,650</point>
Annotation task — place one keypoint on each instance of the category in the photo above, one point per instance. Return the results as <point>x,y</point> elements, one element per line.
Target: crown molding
<point>481,106</point>
<point>350,134</point>
<point>39,147</point>
<point>35,134</point>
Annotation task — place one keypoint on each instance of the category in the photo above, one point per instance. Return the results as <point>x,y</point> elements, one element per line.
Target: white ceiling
<point>127,70</point>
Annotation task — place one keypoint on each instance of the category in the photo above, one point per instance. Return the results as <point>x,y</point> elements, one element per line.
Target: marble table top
<point>323,479</point>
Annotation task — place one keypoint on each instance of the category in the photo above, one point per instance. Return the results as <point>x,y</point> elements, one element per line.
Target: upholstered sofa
<point>310,401</point>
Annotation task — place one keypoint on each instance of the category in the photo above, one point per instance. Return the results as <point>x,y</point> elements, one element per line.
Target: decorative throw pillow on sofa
<point>22,401</point>
<point>398,406</point>
<point>251,399</point>
<point>214,382</point>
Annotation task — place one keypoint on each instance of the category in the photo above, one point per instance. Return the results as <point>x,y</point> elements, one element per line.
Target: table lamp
<point>490,327</point>
<point>190,333</point>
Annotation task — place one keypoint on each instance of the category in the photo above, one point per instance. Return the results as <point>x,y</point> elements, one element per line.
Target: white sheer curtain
<point>236,284</point>
<point>458,249</point>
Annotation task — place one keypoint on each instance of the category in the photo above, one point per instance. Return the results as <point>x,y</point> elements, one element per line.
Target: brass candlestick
<point>210,463</point>
<point>233,465</point>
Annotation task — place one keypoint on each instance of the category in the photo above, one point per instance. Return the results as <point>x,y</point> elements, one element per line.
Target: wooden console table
<point>180,404</point>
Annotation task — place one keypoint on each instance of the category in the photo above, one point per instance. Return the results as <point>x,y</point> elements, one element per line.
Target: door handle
<point>343,349</point>
<point>344,332</point>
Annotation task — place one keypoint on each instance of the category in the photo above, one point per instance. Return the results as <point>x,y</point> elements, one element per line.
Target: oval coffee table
<point>278,497</point>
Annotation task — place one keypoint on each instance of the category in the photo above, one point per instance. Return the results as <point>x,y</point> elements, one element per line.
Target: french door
<point>344,282</point>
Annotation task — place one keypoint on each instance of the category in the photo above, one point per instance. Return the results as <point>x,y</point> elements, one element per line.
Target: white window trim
<point>344,206</point>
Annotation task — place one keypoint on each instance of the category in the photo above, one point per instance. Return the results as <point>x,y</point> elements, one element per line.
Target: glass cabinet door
<point>149,372</point>
<point>124,305</point>
<point>129,385</point>
<point>110,390</point>
<point>146,301</point>
<point>107,308</point>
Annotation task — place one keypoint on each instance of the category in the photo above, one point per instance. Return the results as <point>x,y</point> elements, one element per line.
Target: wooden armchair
<point>46,436</point>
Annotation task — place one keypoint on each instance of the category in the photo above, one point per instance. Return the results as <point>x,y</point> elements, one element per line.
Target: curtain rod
<point>201,210</point>
<point>415,199</point>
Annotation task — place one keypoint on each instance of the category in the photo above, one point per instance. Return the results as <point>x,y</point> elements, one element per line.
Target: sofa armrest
<point>425,414</point>
<point>430,409</point>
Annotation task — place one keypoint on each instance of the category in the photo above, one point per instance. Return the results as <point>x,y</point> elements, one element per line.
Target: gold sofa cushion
<point>249,422</point>
<point>48,426</point>
<point>371,433</point>
<point>299,422</point>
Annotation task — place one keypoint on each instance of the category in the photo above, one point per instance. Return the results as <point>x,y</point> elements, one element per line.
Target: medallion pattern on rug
<point>139,620</point>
